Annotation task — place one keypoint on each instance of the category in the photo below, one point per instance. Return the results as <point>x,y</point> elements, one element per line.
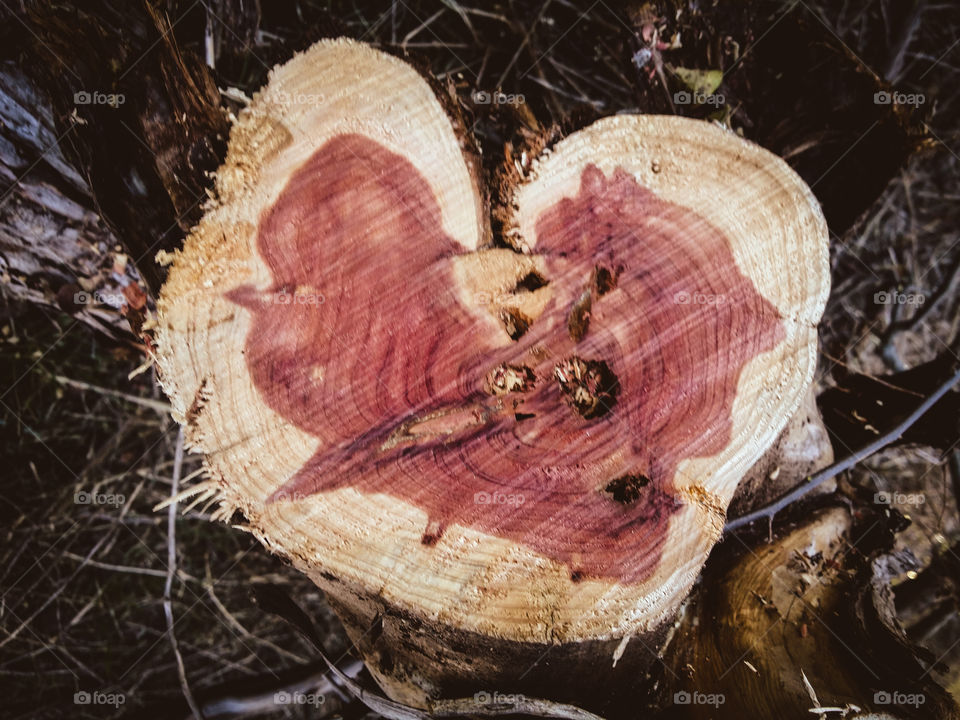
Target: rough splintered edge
<point>234,179</point>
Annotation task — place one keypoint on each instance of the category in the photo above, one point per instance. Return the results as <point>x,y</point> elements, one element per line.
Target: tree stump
<point>806,620</point>
<point>503,456</point>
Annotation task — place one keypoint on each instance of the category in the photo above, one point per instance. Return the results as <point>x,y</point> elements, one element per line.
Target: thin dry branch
<point>768,511</point>
<point>171,571</point>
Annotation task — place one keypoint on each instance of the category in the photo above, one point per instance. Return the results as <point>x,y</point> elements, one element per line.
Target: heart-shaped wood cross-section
<point>534,441</point>
<point>567,439</point>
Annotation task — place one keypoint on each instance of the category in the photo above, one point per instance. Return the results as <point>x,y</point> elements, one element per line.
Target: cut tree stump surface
<point>535,443</point>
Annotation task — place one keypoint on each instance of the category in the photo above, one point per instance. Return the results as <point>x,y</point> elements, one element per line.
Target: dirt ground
<point>89,448</point>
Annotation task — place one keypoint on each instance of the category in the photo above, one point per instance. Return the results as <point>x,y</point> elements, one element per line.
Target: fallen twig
<point>768,511</point>
<point>171,571</point>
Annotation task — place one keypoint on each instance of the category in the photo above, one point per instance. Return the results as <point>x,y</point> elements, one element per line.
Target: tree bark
<point>810,612</point>
<point>143,121</point>
<point>55,251</point>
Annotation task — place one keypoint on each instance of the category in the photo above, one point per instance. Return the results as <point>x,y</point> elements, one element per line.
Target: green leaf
<point>702,82</point>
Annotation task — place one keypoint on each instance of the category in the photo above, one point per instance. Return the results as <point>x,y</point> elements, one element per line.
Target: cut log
<point>806,621</point>
<point>488,449</point>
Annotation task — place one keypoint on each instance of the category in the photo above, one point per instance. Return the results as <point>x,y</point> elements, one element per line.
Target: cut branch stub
<point>526,446</point>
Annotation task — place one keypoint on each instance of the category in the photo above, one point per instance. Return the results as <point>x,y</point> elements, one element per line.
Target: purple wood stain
<point>363,342</point>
